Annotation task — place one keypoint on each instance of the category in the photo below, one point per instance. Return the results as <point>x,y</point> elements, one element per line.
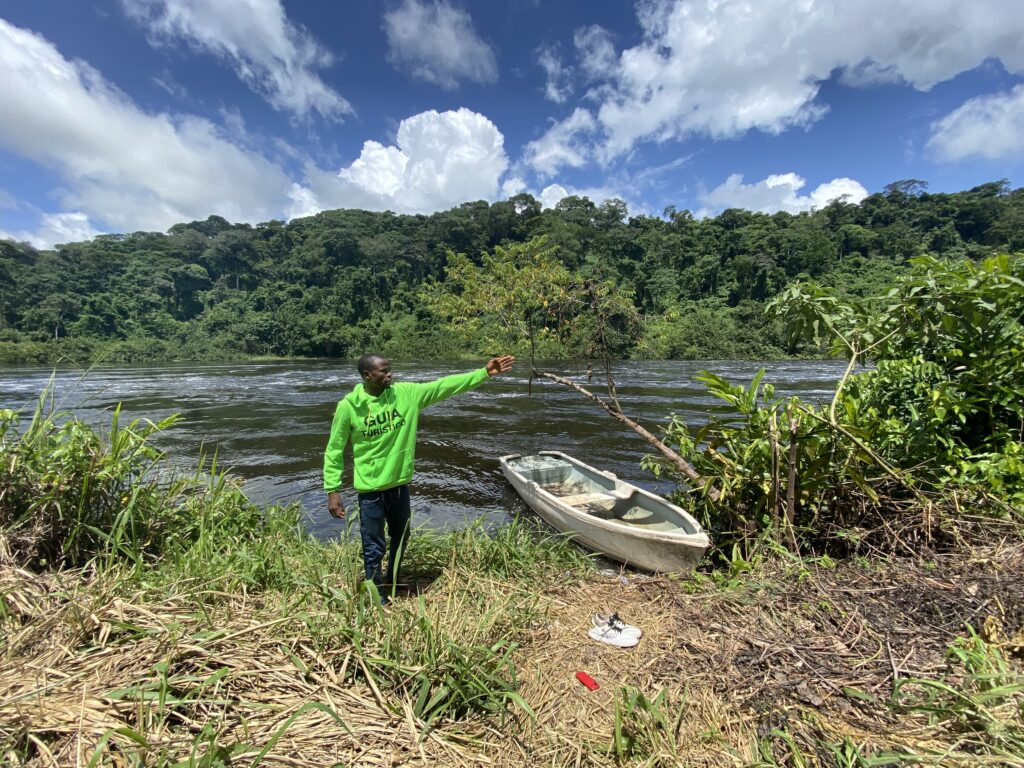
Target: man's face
<point>378,375</point>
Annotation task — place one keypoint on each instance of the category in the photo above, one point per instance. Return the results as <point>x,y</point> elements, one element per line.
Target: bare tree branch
<point>684,467</point>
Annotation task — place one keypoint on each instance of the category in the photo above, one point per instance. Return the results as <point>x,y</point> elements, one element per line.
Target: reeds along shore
<point>147,619</point>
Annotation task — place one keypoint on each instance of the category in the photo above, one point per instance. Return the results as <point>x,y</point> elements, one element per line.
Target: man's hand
<point>334,505</point>
<point>498,365</point>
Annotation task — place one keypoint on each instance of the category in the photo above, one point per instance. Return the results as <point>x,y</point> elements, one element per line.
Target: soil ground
<point>812,652</point>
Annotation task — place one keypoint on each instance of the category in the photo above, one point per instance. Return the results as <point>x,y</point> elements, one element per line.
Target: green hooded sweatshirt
<point>383,430</point>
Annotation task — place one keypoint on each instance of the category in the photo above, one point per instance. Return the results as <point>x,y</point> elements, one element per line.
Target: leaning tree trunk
<point>684,467</point>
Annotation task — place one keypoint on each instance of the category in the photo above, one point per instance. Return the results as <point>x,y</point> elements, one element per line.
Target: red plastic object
<point>587,680</point>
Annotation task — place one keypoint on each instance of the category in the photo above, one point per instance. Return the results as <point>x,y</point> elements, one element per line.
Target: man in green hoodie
<point>380,418</point>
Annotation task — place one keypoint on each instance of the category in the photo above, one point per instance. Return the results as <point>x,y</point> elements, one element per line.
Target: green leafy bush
<point>942,410</point>
<point>69,494</point>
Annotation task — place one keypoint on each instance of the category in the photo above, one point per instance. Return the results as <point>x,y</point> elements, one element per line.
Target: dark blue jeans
<point>378,509</point>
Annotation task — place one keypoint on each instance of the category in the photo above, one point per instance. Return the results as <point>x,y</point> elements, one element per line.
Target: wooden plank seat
<point>582,499</point>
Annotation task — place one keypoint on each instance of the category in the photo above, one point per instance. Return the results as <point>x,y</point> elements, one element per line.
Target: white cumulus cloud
<point>440,159</point>
<point>720,69</point>
<point>275,57</point>
<point>120,165</point>
<point>512,186</point>
<point>304,201</point>
<point>551,194</point>
<point>54,228</point>
<point>436,42</point>
<point>779,192</point>
<point>987,126</point>
<point>565,144</point>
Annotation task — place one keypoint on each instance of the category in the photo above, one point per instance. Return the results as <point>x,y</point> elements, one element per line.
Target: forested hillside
<point>344,281</point>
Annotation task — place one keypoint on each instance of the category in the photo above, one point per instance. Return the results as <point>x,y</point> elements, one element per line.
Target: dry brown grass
<point>775,653</point>
<point>779,653</point>
<point>68,666</point>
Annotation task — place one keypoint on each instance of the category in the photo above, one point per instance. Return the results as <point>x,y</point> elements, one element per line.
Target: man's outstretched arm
<point>448,386</point>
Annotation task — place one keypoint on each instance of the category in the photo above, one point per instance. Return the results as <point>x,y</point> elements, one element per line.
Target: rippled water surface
<point>269,422</point>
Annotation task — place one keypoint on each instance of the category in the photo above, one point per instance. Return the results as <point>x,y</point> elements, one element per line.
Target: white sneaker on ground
<point>612,636</point>
<point>602,622</point>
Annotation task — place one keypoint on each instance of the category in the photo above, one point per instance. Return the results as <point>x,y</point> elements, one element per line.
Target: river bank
<point>897,662</point>
<point>153,616</point>
<point>86,352</point>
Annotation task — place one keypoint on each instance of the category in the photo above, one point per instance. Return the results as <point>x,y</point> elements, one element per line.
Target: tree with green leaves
<point>366,270</point>
<point>522,293</point>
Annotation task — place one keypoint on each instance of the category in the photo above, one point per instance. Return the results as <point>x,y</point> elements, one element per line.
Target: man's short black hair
<point>367,360</point>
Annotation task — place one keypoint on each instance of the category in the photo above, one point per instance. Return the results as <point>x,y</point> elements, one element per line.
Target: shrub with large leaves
<point>942,408</point>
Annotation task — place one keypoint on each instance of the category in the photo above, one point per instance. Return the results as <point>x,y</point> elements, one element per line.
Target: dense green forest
<point>344,281</point>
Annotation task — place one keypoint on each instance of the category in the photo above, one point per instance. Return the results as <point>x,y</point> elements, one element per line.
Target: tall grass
<point>72,498</point>
<point>67,495</point>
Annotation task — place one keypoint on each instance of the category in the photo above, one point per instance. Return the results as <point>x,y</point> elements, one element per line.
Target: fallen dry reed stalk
<point>78,671</point>
<point>784,662</point>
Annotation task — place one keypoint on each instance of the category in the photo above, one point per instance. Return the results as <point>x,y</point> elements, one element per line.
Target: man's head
<point>376,373</point>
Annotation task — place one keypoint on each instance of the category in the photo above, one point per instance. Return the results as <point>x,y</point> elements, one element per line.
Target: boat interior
<point>599,495</point>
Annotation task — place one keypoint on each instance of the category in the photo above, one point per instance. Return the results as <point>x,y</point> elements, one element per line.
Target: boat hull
<point>605,514</point>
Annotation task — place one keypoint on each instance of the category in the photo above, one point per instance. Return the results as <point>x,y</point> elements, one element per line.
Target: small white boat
<point>606,514</point>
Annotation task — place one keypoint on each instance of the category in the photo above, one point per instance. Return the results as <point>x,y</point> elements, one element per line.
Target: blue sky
<point>126,115</point>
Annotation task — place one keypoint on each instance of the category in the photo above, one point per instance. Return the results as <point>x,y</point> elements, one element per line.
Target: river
<point>268,422</point>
